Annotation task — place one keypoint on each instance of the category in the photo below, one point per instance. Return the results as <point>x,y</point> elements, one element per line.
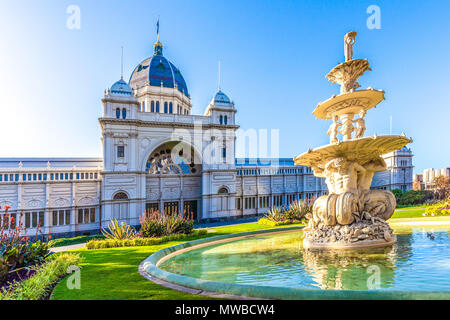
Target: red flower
<point>49,236</point>
<point>12,219</point>
<point>7,207</point>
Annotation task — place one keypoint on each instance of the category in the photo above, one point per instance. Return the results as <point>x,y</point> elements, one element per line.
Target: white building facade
<point>158,156</point>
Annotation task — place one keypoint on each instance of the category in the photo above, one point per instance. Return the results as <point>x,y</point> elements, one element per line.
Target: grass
<point>113,273</point>
<point>411,212</point>
<point>40,284</point>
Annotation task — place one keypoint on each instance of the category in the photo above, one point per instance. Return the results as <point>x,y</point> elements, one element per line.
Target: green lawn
<point>113,273</point>
<point>411,212</point>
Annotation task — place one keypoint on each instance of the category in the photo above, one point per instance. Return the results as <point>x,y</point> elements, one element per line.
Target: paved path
<point>68,248</point>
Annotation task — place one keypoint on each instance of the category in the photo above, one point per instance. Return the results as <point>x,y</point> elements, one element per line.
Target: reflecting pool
<point>420,261</point>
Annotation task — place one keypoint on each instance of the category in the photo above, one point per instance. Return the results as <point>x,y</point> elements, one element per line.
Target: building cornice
<point>161,124</point>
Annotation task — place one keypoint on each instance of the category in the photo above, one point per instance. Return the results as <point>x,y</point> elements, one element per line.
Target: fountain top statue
<point>348,166</point>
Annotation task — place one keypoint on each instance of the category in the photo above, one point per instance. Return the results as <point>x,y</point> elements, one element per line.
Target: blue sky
<point>275,55</point>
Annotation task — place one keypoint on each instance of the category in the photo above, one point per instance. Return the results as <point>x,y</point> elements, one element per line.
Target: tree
<point>442,186</point>
<point>397,193</point>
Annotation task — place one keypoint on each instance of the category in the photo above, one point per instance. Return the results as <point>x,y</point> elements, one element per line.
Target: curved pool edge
<point>231,290</point>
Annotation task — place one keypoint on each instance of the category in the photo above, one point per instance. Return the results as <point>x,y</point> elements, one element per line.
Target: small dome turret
<point>221,98</point>
<point>121,87</point>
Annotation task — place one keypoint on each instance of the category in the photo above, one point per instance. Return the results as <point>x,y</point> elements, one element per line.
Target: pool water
<point>417,262</point>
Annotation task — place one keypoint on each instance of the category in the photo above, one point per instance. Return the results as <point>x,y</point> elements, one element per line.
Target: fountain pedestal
<point>351,215</point>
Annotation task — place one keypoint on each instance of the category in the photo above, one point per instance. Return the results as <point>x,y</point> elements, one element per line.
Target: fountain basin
<point>272,264</point>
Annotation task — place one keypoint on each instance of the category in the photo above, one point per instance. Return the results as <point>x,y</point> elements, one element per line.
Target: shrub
<point>156,224</point>
<point>119,231</point>
<point>275,214</point>
<point>40,284</point>
<point>411,197</point>
<point>108,243</point>
<point>18,253</point>
<point>298,210</point>
<point>439,209</point>
<point>270,223</point>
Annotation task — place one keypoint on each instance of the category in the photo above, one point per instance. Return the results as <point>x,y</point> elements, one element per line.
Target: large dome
<point>158,70</point>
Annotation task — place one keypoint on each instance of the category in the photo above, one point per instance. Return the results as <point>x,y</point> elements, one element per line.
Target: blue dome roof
<point>221,97</point>
<point>158,70</point>
<point>121,87</point>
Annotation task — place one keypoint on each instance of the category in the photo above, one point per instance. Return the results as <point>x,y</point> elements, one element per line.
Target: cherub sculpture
<point>360,124</point>
<point>347,129</point>
<point>334,130</point>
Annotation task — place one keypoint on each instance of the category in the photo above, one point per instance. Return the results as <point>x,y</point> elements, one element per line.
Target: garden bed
<point>136,242</point>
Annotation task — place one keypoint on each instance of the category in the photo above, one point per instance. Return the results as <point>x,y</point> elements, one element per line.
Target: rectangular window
<point>55,218</point>
<point>80,215</point>
<point>34,221</point>
<point>238,203</point>
<point>66,176</point>
<point>51,176</point>
<point>71,176</point>
<point>92,215</point>
<point>120,151</point>
<point>27,219</point>
<point>78,176</point>
<point>85,215</point>
<point>67,216</point>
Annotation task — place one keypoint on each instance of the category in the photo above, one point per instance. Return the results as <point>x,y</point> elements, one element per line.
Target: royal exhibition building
<point>159,156</point>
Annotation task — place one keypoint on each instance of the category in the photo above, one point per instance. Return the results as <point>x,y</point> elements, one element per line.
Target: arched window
<point>223,200</point>
<point>118,113</point>
<point>165,107</point>
<point>120,206</point>
<point>170,108</point>
<point>120,196</point>
<point>223,190</point>
<point>157,106</point>
<point>225,120</point>
<point>124,113</point>
<point>221,119</point>
<point>152,106</point>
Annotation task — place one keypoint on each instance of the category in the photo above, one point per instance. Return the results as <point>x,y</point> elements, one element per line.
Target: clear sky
<point>275,55</point>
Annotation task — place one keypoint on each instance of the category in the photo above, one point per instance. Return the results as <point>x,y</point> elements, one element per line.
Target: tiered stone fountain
<point>351,215</point>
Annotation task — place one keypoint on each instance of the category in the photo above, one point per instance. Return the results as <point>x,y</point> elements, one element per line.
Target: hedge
<point>112,243</point>
<point>39,286</point>
<point>270,223</point>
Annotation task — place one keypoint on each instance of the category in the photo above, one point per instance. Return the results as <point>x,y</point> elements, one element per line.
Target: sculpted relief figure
<point>334,130</point>
<point>349,41</point>
<point>344,174</point>
<point>365,178</point>
<point>360,125</point>
<point>347,129</point>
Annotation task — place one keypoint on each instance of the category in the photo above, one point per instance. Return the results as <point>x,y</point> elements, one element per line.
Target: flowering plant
<point>155,224</point>
<point>17,253</point>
